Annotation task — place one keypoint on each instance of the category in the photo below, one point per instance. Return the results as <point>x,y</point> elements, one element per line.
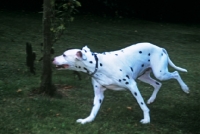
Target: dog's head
<point>75,59</point>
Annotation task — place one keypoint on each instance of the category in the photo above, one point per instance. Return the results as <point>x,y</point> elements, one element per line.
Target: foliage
<point>62,11</point>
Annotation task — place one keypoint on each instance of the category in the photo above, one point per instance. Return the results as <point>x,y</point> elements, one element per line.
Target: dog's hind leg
<point>161,72</point>
<point>174,75</point>
<point>147,79</point>
<point>98,99</point>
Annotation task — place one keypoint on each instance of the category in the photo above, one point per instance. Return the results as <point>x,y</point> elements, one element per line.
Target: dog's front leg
<point>98,99</point>
<point>136,93</point>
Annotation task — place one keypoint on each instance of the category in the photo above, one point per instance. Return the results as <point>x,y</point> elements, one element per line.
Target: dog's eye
<point>64,55</point>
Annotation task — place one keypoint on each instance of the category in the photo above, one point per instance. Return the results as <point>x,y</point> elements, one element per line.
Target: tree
<point>46,85</point>
<point>55,17</point>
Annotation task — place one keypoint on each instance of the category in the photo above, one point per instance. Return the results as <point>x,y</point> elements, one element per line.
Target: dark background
<point>160,10</point>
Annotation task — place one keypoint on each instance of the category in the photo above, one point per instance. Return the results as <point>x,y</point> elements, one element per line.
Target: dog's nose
<point>53,60</point>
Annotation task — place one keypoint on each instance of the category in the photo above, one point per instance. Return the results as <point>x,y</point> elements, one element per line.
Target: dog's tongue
<point>66,66</point>
<point>59,66</point>
<point>62,66</point>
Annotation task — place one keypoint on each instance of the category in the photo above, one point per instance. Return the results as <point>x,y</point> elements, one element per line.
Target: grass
<point>173,111</point>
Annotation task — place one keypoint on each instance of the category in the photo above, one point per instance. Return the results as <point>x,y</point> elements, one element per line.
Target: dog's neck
<point>89,66</point>
<point>96,65</point>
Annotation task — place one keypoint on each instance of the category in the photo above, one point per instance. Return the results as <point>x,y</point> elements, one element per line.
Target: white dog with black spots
<point>118,70</point>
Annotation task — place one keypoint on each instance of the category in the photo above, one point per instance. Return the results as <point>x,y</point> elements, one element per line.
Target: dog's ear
<point>86,49</point>
<point>80,56</point>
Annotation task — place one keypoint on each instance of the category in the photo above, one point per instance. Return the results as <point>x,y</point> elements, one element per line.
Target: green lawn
<point>173,112</point>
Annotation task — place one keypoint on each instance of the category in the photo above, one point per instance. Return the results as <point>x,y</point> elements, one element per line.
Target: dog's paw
<point>82,121</point>
<point>145,121</point>
<point>185,88</point>
<point>151,100</point>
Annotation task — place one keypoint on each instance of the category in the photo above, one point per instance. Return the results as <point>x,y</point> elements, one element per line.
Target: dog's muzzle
<point>62,66</point>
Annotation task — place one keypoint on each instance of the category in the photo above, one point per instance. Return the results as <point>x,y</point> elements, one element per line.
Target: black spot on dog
<point>96,86</point>
<point>149,54</point>
<point>149,60</point>
<point>126,83</point>
<point>161,54</point>
<point>120,80</point>
<point>99,100</point>
<point>101,64</point>
<point>157,83</point>
<point>142,65</point>
<point>160,70</point>
<point>86,70</point>
<point>91,62</point>
<point>120,70</point>
<point>116,54</point>
<point>124,79</point>
<point>140,52</point>
<point>135,93</point>
<point>85,51</point>
<point>131,69</point>
<point>142,103</point>
<point>79,66</point>
<point>122,50</point>
<point>127,76</point>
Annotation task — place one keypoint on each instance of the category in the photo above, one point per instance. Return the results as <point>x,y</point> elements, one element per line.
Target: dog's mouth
<point>64,66</point>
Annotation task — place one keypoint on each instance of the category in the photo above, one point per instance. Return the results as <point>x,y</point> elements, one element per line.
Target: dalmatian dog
<point>118,70</point>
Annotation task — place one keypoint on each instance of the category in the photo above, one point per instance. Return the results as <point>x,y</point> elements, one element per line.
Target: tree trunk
<point>46,85</point>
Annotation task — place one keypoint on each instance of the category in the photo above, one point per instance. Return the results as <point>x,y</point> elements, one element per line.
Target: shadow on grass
<point>182,116</point>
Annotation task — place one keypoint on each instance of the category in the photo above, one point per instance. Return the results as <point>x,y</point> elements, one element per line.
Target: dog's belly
<point>114,87</point>
<point>108,81</point>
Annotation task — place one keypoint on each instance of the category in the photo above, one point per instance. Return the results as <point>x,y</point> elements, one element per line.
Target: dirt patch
<point>63,89</point>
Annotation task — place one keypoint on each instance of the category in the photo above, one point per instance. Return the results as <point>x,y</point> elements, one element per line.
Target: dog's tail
<point>173,65</point>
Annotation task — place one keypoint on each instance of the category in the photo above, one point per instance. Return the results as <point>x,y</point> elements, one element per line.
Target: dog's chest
<point>108,81</point>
